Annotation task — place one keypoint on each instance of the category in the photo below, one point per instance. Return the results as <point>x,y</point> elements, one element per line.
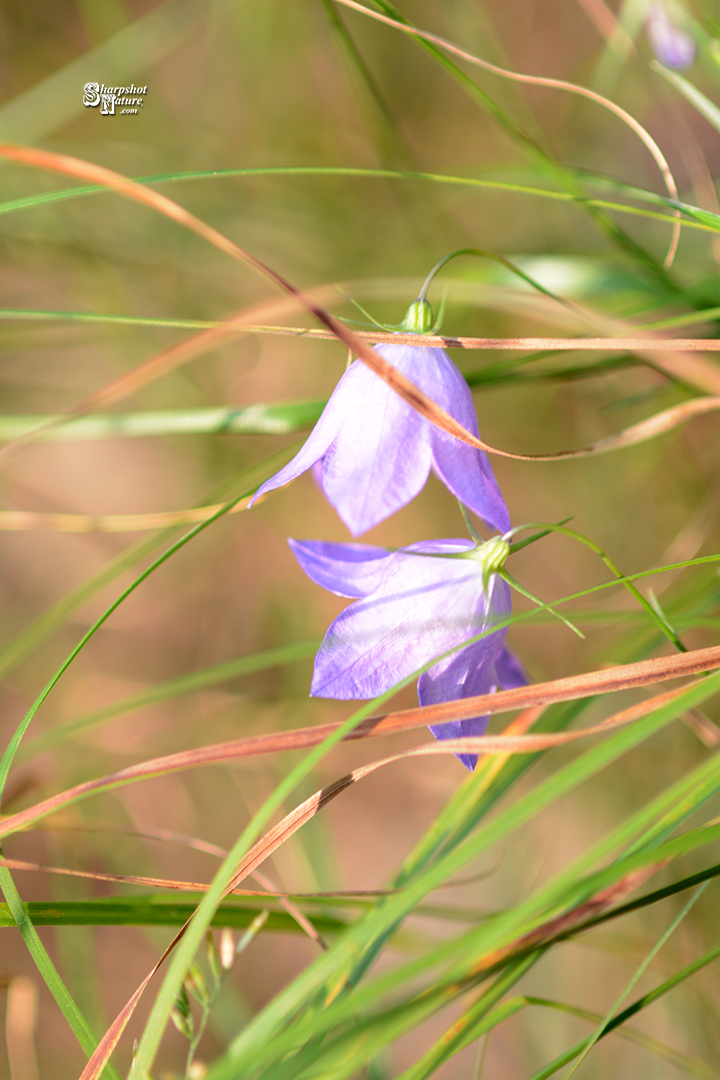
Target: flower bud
<point>419,318</point>
<point>227,949</point>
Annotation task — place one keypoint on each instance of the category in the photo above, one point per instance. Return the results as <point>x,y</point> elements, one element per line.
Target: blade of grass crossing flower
<point>399,383</point>
<point>641,819</point>
<point>467,807</point>
<point>158,424</point>
<point>502,745</point>
<point>695,218</point>
<point>48,971</point>
<point>352,954</point>
<point>653,822</point>
<point>493,777</point>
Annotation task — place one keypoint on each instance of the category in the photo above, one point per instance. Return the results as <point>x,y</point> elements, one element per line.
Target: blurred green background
<point>248,86</point>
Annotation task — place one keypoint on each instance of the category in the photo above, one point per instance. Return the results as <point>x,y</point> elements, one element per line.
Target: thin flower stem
<point>474,534</point>
<point>483,254</point>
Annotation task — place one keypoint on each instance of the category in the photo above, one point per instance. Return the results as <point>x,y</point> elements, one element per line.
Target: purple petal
<point>511,672</point>
<point>467,673</point>
<point>345,569</point>
<point>465,470</point>
<point>485,682</point>
<point>381,457</point>
<point>371,452</point>
<point>422,607</point>
<point>672,46</point>
<point>312,451</point>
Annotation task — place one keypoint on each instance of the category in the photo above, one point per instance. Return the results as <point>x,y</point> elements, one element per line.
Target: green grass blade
<point>187,947</point>
<point>262,419</point>
<point>547,163</point>
<point>632,1010</point>
<point>707,108</point>
<point>12,748</point>
<point>637,976</point>
<point>471,1024</point>
<point>18,915</point>
<point>158,911</point>
<point>358,947</point>
<point>696,218</point>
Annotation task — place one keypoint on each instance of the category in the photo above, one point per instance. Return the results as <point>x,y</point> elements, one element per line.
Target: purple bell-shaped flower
<point>372,453</point>
<point>412,605</point>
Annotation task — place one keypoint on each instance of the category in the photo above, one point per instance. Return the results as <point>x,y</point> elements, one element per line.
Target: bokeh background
<point>233,85</point>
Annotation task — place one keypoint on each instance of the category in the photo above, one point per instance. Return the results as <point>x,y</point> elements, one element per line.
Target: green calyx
<point>491,555</point>
<point>419,318</point>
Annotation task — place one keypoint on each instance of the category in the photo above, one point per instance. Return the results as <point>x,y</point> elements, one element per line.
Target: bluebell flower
<point>372,453</point>
<point>410,606</point>
<point>672,46</point>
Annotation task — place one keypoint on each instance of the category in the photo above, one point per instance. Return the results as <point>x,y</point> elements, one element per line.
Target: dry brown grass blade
<point>96,174</point>
<point>504,744</point>
<point>260,851</point>
<point>273,839</point>
<point>307,810</point>
<point>608,680</point>
<point>101,1055</point>
<point>165,362</point>
<point>303,813</point>
<point>23,520</point>
<point>654,425</point>
<point>119,879</point>
<point>268,893</point>
<point>178,886</point>
<point>357,344</point>
<point>562,925</point>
